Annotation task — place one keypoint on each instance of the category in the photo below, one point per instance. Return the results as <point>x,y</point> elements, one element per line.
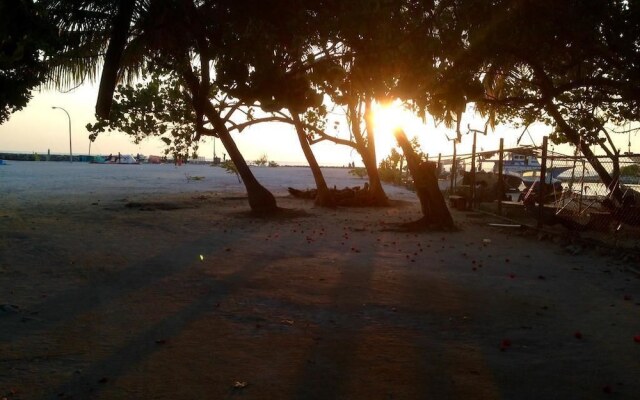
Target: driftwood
<point>347,197</point>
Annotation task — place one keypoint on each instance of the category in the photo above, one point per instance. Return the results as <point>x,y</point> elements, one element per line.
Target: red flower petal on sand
<point>505,344</point>
<point>636,338</point>
<point>578,335</point>
<point>607,389</point>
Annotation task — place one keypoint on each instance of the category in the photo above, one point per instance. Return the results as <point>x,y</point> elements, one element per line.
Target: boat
<point>517,163</point>
<point>523,163</point>
<point>533,175</point>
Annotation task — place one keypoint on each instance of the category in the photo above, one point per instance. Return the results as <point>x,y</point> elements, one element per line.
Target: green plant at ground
<point>231,168</point>
<point>390,168</point>
<point>262,161</point>
<point>360,172</point>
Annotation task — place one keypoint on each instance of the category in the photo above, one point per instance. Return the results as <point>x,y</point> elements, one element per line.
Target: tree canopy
<point>574,65</point>
<point>27,39</point>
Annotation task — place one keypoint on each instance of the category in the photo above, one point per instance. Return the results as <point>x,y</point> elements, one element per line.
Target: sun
<point>391,116</point>
<point>386,119</point>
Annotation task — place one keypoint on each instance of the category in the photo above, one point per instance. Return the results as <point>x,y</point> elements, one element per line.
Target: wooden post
<point>439,164</point>
<point>581,188</point>
<point>473,172</point>
<point>500,176</point>
<point>543,173</point>
<point>453,169</point>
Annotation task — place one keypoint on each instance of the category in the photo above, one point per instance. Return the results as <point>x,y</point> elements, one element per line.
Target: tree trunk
<point>434,208</point>
<point>261,200</point>
<point>324,198</point>
<point>117,43</point>
<point>366,149</point>
<point>377,192</point>
<point>574,136</point>
<point>611,182</point>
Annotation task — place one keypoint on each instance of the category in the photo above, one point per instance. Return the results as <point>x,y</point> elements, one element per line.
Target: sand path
<point>185,296</point>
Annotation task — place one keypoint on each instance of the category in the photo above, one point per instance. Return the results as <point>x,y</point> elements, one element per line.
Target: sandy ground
<point>141,284</point>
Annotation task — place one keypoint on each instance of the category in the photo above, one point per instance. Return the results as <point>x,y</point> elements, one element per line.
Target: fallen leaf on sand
<point>239,385</point>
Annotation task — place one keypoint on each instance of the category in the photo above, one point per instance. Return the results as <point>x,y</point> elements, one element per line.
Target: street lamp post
<point>69,118</point>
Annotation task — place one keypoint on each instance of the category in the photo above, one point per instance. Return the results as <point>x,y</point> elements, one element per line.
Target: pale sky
<point>39,128</point>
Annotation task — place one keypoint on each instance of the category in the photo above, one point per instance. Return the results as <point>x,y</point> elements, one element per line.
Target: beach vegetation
<point>360,172</point>
<point>391,168</point>
<point>230,167</point>
<point>262,161</point>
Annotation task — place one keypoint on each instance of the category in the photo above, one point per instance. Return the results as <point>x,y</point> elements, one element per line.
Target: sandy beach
<point>141,282</point>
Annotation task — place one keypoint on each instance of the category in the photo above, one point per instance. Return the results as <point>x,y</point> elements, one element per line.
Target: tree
<point>270,63</point>
<point>435,213</point>
<point>574,65</point>
<point>346,79</point>
<point>26,42</point>
<point>160,107</point>
<point>179,36</point>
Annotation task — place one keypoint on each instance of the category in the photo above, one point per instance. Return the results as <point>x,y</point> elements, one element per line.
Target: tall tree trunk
<point>434,208</point>
<point>366,149</point>
<point>261,200</point>
<point>376,188</point>
<point>546,84</point>
<point>117,43</point>
<point>574,137</point>
<point>324,198</point>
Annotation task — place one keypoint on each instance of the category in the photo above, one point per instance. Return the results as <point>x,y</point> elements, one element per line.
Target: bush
<point>360,172</point>
<point>262,161</point>
<point>231,168</point>
<point>630,170</point>
<point>390,175</point>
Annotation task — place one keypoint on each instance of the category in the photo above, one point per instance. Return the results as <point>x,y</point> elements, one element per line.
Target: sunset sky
<point>39,128</point>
